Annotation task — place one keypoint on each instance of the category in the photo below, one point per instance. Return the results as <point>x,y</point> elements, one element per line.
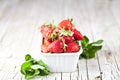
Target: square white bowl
<point>61,62</point>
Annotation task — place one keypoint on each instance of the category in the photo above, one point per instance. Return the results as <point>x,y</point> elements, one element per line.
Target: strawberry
<point>77,35</point>
<point>44,48</point>
<point>60,39</point>
<point>56,46</point>
<point>67,24</point>
<point>66,38</point>
<point>46,30</point>
<point>72,47</point>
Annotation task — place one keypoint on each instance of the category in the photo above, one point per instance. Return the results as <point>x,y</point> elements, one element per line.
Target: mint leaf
<point>31,68</point>
<point>27,57</point>
<point>40,62</point>
<point>25,66</point>
<point>86,39</point>
<point>84,42</point>
<point>89,49</point>
<point>36,66</point>
<point>97,42</point>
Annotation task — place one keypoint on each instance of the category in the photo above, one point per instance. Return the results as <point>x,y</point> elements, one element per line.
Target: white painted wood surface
<point>99,19</point>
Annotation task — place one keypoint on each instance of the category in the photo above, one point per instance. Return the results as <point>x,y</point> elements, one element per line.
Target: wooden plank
<point>117,60</point>
<point>21,28</point>
<point>98,31</point>
<point>108,66</point>
<point>66,76</point>
<point>115,11</point>
<point>8,70</point>
<point>2,62</point>
<point>107,62</point>
<point>93,69</point>
<point>74,75</point>
<point>82,71</point>
<point>79,13</point>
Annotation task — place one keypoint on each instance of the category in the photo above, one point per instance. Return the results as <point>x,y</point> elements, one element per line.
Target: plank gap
<point>99,67</point>
<point>61,75</point>
<point>116,63</point>
<point>78,69</point>
<point>87,70</point>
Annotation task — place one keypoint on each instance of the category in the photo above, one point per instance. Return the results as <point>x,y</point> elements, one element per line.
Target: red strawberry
<point>66,24</point>
<point>72,47</point>
<point>66,38</point>
<point>44,48</point>
<point>56,46</point>
<point>46,30</point>
<point>77,35</point>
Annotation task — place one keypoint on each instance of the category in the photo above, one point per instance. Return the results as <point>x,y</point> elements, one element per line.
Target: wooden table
<point>98,19</point>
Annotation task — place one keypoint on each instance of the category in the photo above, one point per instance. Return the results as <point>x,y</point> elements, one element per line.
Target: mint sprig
<point>90,49</point>
<point>31,68</point>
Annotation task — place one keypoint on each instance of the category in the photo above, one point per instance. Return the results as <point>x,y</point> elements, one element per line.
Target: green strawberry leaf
<point>65,32</point>
<point>71,19</point>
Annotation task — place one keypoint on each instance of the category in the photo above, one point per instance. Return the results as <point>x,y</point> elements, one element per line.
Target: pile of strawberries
<point>61,39</point>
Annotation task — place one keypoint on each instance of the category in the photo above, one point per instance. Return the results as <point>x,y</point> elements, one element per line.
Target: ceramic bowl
<point>61,62</point>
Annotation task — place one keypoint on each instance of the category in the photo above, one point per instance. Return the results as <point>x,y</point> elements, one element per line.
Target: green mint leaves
<point>31,68</point>
<point>89,49</point>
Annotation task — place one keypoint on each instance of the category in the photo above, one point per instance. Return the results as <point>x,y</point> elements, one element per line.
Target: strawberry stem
<point>65,32</point>
<point>64,45</point>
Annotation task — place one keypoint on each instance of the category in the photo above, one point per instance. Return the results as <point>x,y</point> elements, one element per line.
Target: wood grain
<point>20,21</point>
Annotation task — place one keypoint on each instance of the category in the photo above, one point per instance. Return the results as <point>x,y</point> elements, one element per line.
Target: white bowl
<point>61,62</point>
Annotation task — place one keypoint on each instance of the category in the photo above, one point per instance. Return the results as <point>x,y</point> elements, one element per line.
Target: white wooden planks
<point>98,19</point>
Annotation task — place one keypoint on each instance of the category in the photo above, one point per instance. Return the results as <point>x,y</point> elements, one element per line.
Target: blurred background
<point>21,19</point>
